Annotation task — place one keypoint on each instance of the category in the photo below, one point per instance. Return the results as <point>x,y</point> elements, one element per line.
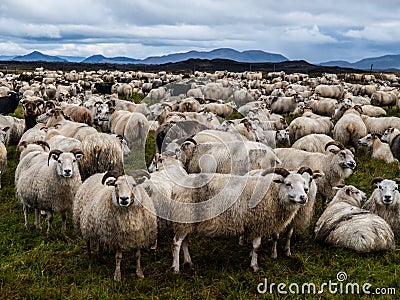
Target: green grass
<point>36,266</point>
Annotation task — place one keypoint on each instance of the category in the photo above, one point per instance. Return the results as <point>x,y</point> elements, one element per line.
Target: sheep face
<point>295,188</point>
<point>103,111</point>
<point>366,141</point>
<point>66,162</point>
<point>282,137</point>
<point>387,134</point>
<point>3,134</point>
<point>344,158</point>
<point>354,195</point>
<point>388,192</point>
<point>124,190</point>
<point>32,107</point>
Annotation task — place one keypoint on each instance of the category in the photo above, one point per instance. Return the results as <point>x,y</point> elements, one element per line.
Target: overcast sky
<point>316,31</point>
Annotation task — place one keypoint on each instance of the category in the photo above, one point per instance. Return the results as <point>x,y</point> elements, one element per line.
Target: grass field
<point>37,266</point>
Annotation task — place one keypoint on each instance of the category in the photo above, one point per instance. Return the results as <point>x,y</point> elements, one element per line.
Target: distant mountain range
<point>250,56</point>
<point>385,62</point>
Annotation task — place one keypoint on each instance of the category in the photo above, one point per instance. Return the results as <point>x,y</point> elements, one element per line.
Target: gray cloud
<point>312,30</point>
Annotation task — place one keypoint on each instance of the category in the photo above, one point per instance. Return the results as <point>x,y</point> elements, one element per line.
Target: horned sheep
<point>48,181</point>
<point>336,164</point>
<point>119,215</point>
<point>262,207</point>
<point>345,224</point>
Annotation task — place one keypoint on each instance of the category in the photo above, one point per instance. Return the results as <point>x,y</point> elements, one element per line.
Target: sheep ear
<point>5,129</point>
<point>317,174</point>
<point>110,181</point>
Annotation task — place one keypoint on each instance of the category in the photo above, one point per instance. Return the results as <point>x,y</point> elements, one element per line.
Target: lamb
<point>303,126</point>
<point>345,224</point>
<point>119,216</point>
<point>314,142</point>
<point>48,181</point>
<point>259,207</point>
<point>392,137</point>
<point>350,128</point>
<point>237,157</point>
<point>337,165</point>
<point>385,202</point>
<point>378,149</point>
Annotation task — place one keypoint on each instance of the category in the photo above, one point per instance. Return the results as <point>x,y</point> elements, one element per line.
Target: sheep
<point>129,106</point>
<point>284,105</point>
<point>24,148</point>
<point>303,126</point>
<point>9,103</point>
<point>392,137</point>
<point>345,224</point>
<point>330,91</point>
<point>189,105</point>
<point>373,111</point>
<point>274,138</point>
<point>378,149</point>
<point>237,157</point>
<point>259,206</point>
<point>119,216</point>
<point>56,117</point>
<point>314,142</point>
<point>63,143</point>
<point>337,165</point>
<point>379,125</point>
<point>350,128</point>
<point>17,127</point>
<point>32,109</point>
<point>385,202</point>
<point>304,215</point>
<point>383,98</point>
<point>79,114</point>
<point>221,110</point>
<point>101,152</point>
<point>48,182</point>
<point>323,107</point>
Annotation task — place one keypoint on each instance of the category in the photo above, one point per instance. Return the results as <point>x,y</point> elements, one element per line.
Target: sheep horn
<point>112,173</point>
<point>76,151</point>
<point>43,144</point>
<point>140,173</point>
<point>190,140</point>
<point>376,180</point>
<point>55,152</point>
<point>335,143</point>
<point>280,171</point>
<point>305,169</point>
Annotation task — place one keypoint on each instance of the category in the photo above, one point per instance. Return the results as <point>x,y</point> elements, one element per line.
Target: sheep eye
<point>380,187</point>
<point>74,160</point>
<point>59,161</point>
<point>288,184</point>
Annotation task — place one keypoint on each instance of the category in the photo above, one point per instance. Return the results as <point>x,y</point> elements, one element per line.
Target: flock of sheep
<point>249,178</point>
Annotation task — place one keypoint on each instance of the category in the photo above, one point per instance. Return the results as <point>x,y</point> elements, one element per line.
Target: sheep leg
<point>49,220</point>
<point>176,248</point>
<point>253,254</point>
<point>186,256</point>
<point>139,271</point>
<point>25,208</point>
<point>287,246</point>
<point>37,219</point>
<point>64,221</point>
<point>274,251</point>
<point>118,259</point>
<point>88,252</point>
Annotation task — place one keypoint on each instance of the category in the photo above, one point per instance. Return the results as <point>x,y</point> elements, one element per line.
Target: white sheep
<point>119,216</point>
<point>349,128</point>
<point>379,125</point>
<point>314,142</point>
<point>385,202</point>
<point>303,126</point>
<point>337,164</point>
<point>330,91</point>
<point>377,148</point>
<point>345,224</point>
<point>257,207</point>
<point>48,181</point>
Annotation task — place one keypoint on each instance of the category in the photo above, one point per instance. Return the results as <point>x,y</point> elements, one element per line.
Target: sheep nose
<point>67,172</point>
<point>351,164</point>
<point>303,199</point>
<point>387,198</point>
<point>124,200</point>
